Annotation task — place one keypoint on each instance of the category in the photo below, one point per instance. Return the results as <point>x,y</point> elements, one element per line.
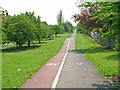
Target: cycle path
<point>77,72</point>
<point>45,76</point>
<point>67,69</point>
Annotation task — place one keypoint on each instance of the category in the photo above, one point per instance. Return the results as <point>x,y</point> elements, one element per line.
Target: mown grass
<point>0,71</point>
<point>18,65</point>
<point>105,60</point>
<point>0,55</point>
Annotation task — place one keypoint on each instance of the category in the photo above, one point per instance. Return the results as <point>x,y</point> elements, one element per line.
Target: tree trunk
<point>55,34</point>
<point>17,46</point>
<point>28,43</point>
<point>39,41</point>
<point>20,45</point>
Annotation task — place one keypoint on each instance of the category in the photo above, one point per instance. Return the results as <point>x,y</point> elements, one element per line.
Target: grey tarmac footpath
<point>77,72</point>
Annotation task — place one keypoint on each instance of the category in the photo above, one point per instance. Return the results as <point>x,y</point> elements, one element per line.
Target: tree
<point>44,31</point>
<point>101,17</point>
<point>68,27</point>
<point>19,29</point>
<point>51,32</point>
<point>57,29</point>
<point>60,17</point>
<point>38,30</point>
<point>4,37</point>
<point>32,18</point>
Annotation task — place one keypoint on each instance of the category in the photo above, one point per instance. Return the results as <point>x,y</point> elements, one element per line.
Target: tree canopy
<point>101,17</point>
<point>26,27</point>
<point>60,18</point>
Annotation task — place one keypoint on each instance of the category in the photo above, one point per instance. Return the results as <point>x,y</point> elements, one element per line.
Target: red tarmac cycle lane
<point>45,76</point>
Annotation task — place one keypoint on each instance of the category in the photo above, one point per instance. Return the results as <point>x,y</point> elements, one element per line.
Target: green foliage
<point>45,31</point>
<point>104,16</point>
<point>62,26</point>
<point>36,22</point>
<point>25,27</point>
<point>57,29</point>
<point>60,17</point>
<point>19,29</point>
<point>108,13</point>
<point>68,27</point>
<point>2,31</point>
<point>4,38</point>
<point>80,29</point>
<point>51,32</point>
<point>71,27</point>
<point>38,30</point>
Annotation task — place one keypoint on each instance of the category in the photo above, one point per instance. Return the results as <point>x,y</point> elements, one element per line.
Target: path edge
<point>54,84</point>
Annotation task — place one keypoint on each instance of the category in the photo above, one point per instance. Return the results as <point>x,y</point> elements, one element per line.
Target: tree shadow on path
<point>104,86</point>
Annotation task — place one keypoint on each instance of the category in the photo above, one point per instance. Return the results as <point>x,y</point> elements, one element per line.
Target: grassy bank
<point>20,65</point>
<point>106,61</point>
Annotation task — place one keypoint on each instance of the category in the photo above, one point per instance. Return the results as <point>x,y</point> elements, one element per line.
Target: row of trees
<point>26,27</point>
<point>99,17</point>
<point>68,27</point>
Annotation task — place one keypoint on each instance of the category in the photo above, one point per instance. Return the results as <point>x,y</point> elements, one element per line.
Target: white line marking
<point>80,63</point>
<point>60,69</point>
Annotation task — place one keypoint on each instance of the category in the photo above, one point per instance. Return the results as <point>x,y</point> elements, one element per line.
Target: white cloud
<point>47,9</point>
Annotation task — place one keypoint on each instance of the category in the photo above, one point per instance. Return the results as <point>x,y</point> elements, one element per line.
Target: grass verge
<point>20,65</point>
<point>0,70</point>
<point>106,61</point>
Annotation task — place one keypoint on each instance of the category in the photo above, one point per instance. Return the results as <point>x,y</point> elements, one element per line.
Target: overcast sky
<point>47,9</point>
